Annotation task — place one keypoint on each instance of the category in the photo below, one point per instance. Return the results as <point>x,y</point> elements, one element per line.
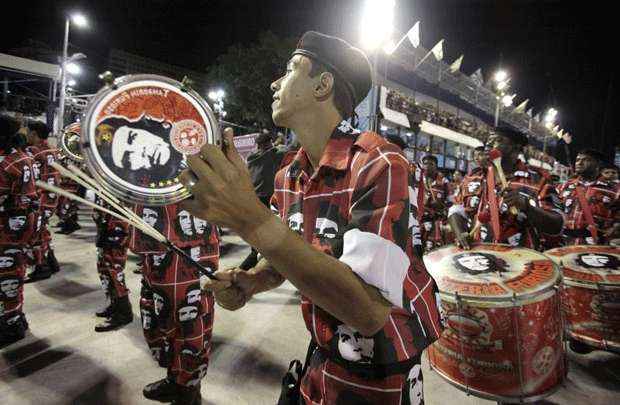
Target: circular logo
<point>598,261</point>
<point>188,136</point>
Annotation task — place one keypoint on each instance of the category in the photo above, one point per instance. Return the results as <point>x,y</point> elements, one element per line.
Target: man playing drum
<point>591,204</point>
<point>536,206</point>
<point>346,241</point>
<point>436,192</point>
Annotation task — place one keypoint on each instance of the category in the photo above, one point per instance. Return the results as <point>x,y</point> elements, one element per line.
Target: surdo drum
<point>591,294</point>
<point>501,309</point>
<point>137,133</point>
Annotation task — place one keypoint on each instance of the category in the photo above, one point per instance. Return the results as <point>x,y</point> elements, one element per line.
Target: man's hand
<point>222,189</point>
<point>513,198</point>
<point>227,295</point>
<point>463,240</point>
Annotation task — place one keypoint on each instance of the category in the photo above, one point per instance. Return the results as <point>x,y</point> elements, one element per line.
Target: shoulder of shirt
<point>375,145</point>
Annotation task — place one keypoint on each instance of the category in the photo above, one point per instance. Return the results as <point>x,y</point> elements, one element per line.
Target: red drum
<point>501,308</point>
<point>591,293</point>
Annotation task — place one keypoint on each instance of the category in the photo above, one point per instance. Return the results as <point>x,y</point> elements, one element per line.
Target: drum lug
<point>108,78</point>
<point>186,84</point>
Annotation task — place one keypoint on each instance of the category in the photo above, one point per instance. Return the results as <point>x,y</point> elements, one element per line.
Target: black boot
<point>105,313</point>
<point>164,390</point>
<point>69,227</point>
<point>121,316</point>
<point>52,262</point>
<point>188,396</point>
<point>40,272</point>
<point>12,330</point>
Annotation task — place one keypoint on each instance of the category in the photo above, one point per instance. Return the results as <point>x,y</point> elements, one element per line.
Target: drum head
<point>588,264</point>
<point>70,142</point>
<point>137,134</point>
<point>491,271</point>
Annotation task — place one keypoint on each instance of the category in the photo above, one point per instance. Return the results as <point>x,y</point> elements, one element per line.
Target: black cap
<point>349,63</point>
<point>515,136</point>
<point>42,129</point>
<point>430,157</point>
<point>8,126</point>
<point>396,140</point>
<point>609,165</point>
<point>593,153</point>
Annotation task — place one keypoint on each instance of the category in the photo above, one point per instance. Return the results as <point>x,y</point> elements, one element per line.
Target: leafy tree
<point>246,72</point>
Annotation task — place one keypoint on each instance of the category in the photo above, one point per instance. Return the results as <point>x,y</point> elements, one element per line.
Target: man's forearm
<point>266,277</point>
<point>329,283</point>
<point>544,221</point>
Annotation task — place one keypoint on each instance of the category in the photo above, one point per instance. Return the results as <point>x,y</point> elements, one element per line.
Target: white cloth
<point>378,261</point>
<point>457,209</point>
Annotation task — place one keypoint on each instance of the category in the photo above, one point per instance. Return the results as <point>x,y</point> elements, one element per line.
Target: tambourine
<point>137,133</point>
<point>70,142</point>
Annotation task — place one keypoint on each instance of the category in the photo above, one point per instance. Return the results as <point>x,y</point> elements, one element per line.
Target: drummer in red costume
<point>591,204</point>
<point>436,193</point>
<point>177,315</point>
<point>537,205</point>
<point>18,205</point>
<point>342,233</point>
<point>43,156</point>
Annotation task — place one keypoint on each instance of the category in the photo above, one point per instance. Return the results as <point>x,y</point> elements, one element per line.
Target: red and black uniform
<point>591,208</point>
<point>177,315</point>
<point>18,208</point>
<point>112,243</point>
<point>436,193</point>
<point>356,207</point>
<point>43,156</point>
<point>479,200</point>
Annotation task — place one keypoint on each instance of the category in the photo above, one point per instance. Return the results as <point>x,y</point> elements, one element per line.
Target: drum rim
<point>111,184</point>
<point>65,148</point>
<point>501,398</point>
<point>504,302</point>
<point>577,282</point>
<point>520,298</point>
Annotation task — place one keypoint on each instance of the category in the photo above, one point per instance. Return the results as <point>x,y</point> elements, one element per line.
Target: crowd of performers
<point>176,309</point>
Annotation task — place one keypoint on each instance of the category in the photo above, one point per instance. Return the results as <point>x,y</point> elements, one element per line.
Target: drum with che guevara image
<point>135,137</point>
<point>501,308</point>
<point>590,295</point>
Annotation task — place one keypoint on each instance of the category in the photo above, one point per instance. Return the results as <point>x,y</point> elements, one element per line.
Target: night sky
<point>558,53</point>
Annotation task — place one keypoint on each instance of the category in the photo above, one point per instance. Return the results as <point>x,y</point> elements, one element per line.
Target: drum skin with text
<point>503,328</point>
<point>591,293</point>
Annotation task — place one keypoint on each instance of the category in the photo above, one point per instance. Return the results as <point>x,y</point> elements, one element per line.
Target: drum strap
<point>493,204</point>
<point>585,208</point>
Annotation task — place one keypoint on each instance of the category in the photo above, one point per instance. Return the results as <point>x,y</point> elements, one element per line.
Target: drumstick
<point>495,155</point>
<point>141,225</point>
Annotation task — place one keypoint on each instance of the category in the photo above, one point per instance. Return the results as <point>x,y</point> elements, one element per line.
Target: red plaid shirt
<point>473,202</point>
<point>604,202</point>
<point>355,207</point>
<point>43,156</point>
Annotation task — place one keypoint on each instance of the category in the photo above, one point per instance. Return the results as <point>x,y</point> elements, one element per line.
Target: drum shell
<point>486,344</point>
<point>592,314</point>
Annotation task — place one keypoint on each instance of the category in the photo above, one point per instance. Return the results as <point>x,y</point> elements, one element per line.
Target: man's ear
<point>324,86</point>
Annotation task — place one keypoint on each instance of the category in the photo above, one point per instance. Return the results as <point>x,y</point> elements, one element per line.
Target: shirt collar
<point>337,153</point>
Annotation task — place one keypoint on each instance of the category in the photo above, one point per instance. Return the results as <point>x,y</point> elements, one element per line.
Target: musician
<point>436,193</point>
<point>609,172</point>
<point>591,203</point>
<point>536,203</point>
<point>350,254</point>
<point>43,155</point>
<point>112,244</point>
<point>18,204</point>
<point>177,316</point>
<point>481,158</point>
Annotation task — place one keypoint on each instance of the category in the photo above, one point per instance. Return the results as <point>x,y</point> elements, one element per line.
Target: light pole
<point>67,64</point>
<point>549,120</point>
<point>376,28</point>
<point>501,87</point>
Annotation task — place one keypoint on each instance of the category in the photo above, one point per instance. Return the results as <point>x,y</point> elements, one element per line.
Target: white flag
<point>414,35</point>
<point>561,133</point>
<point>537,117</point>
<point>438,50</point>
<point>521,107</point>
<point>456,65</point>
<point>555,129</point>
<point>477,77</point>
<point>530,112</point>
